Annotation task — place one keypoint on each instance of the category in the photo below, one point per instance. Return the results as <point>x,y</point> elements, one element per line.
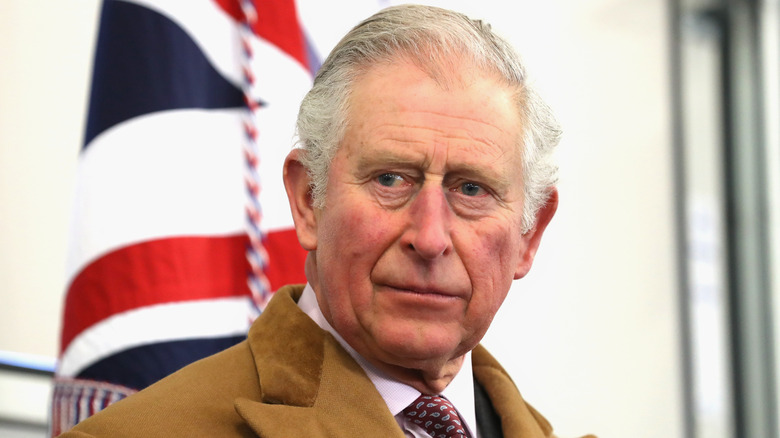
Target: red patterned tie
<point>437,416</point>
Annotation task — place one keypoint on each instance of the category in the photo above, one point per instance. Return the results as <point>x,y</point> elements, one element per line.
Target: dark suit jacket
<point>290,379</point>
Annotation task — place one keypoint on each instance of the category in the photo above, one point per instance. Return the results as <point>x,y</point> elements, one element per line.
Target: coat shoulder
<point>207,387</point>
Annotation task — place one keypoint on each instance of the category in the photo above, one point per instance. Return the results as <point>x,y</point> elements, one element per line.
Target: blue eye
<point>389,179</point>
<point>471,189</point>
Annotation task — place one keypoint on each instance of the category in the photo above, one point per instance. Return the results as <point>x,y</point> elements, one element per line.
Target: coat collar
<point>310,386</point>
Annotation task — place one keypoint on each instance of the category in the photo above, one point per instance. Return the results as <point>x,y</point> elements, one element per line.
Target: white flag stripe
<point>154,176</point>
<point>175,173</point>
<point>279,79</point>
<point>161,323</point>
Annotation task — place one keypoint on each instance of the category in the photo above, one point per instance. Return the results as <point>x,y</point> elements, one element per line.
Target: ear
<point>296,183</point>
<point>533,237</point>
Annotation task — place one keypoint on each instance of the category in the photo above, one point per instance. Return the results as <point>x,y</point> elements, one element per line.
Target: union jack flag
<point>171,256</point>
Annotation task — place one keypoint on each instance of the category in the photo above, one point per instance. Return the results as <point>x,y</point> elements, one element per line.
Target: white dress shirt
<point>397,395</point>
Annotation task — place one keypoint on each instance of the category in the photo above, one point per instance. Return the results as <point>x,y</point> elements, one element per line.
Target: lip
<point>423,290</point>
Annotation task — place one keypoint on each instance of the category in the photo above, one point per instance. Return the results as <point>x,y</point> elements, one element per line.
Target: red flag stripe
<point>286,264</point>
<point>170,270</point>
<point>277,22</point>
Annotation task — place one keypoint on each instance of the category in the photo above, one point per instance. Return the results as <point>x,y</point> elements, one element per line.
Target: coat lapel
<point>310,386</point>
<point>518,419</point>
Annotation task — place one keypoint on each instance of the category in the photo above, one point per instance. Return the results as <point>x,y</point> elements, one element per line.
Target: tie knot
<point>437,416</point>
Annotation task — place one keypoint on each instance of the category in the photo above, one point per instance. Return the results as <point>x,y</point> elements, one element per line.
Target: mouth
<point>422,291</point>
<point>420,302</point>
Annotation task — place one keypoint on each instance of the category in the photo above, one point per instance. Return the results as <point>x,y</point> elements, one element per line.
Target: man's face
<point>420,237</point>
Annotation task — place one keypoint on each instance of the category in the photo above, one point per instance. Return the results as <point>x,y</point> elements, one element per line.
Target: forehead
<point>394,106</point>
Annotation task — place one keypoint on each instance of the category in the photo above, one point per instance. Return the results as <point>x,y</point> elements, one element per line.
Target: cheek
<point>353,240</point>
<point>496,251</point>
<point>352,231</point>
<point>491,260</point>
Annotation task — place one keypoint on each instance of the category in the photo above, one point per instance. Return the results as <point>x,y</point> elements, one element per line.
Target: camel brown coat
<point>289,378</point>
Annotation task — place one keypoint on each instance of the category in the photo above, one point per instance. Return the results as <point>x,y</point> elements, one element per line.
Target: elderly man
<point>421,190</point>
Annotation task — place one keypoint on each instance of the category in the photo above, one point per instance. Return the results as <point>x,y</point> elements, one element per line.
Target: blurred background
<point>652,308</point>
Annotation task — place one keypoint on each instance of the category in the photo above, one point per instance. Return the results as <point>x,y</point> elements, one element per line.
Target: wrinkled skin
<point>421,235</point>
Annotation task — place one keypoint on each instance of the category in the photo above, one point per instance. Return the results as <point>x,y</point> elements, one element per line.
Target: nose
<point>429,231</point>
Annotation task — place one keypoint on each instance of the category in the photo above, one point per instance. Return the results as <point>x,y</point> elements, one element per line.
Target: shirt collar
<point>397,395</point>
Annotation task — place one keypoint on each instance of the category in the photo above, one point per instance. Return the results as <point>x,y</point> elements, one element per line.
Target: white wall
<point>591,336</point>
<point>46,52</point>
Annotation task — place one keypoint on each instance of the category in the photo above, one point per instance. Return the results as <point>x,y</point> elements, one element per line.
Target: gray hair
<point>432,38</point>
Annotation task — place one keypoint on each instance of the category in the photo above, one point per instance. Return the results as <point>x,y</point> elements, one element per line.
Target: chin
<point>412,350</point>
